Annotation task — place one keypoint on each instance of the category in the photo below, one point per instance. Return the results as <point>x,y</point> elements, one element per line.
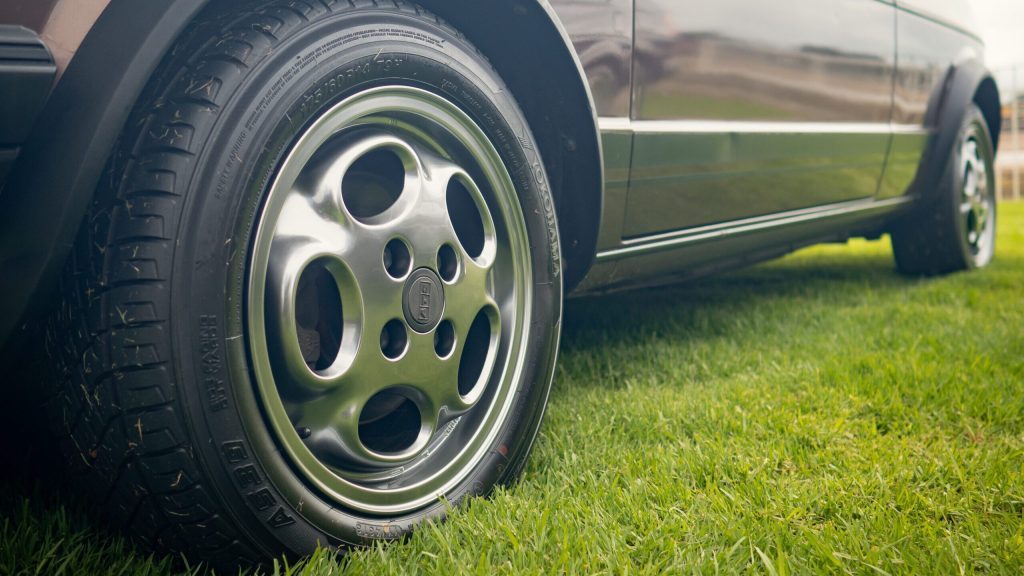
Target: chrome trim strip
<point>613,124</point>
<point>669,240</point>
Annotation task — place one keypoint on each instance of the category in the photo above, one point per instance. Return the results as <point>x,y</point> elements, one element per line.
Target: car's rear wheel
<point>954,228</point>
<point>318,301</point>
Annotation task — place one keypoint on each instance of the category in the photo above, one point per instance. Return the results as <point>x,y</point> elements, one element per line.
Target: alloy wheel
<point>977,202</point>
<point>389,288</point>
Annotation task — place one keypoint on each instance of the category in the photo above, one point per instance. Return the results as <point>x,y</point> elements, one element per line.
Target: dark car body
<point>682,137</point>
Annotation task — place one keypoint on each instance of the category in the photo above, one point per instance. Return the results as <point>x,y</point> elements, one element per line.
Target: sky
<point>1002,26</point>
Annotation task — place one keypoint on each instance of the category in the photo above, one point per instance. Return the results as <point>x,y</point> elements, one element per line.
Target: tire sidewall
<point>282,94</point>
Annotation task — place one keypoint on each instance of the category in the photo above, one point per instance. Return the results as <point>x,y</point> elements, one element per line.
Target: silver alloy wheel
<point>977,202</point>
<point>389,290</point>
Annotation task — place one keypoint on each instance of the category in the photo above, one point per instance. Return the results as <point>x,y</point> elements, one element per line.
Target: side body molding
<point>52,183</point>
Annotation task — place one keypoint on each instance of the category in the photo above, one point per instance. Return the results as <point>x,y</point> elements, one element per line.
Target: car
<point>298,267</point>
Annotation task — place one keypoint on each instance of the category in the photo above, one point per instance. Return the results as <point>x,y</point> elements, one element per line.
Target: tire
<point>277,329</point>
<point>954,229</point>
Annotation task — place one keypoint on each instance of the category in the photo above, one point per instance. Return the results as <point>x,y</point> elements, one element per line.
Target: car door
<point>744,108</point>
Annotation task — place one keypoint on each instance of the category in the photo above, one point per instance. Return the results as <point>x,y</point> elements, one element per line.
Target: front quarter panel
<point>62,24</point>
<point>601,31</point>
<point>43,201</point>
<point>940,67</point>
<point>52,182</point>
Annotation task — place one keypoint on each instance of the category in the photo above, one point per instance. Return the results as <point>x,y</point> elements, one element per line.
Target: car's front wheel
<point>318,299</point>
<point>954,227</point>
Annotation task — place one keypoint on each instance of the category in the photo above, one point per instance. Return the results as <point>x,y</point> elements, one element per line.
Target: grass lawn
<point>816,414</point>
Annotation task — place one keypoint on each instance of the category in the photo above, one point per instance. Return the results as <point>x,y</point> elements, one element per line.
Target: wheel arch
<point>986,97</point>
<point>52,183</point>
<point>968,82</point>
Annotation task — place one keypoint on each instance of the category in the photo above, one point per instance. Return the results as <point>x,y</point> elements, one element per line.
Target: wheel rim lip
<point>348,490</point>
<point>977,197</point>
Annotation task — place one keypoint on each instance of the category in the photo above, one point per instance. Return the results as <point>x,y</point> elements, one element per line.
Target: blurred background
<point>1002,25</point>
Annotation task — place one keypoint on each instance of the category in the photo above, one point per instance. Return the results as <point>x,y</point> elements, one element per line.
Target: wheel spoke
<point>336,420</point>
<point>470,293</point>
<point>981,181</point>
<point>972,163</point>
<point>970,185</point>
<point>424,225</point>
<point>435,378</point>
<point>971,150</point>
<point>330,425</point>
<point>982,218</point>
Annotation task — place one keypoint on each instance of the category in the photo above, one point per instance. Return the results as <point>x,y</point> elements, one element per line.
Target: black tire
<point>153,396</point>
<point>935,237</point>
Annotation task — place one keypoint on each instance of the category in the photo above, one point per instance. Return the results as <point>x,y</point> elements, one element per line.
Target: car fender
<point>960,89</point>
<point>53,180</point>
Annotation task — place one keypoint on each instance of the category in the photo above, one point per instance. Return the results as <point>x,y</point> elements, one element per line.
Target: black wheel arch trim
<point>52,182</point>
<point>968,82</point>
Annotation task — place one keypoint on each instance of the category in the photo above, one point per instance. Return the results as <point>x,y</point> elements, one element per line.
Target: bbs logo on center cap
<point>424,300</point>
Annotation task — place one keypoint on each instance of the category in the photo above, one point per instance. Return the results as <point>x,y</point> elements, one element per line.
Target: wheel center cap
<point>423,300</point>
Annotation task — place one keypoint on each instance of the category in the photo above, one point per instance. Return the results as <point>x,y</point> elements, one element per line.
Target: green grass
<point>817,414</point>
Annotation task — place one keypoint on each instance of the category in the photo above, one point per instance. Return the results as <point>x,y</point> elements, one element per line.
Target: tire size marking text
<point>210,353</point>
